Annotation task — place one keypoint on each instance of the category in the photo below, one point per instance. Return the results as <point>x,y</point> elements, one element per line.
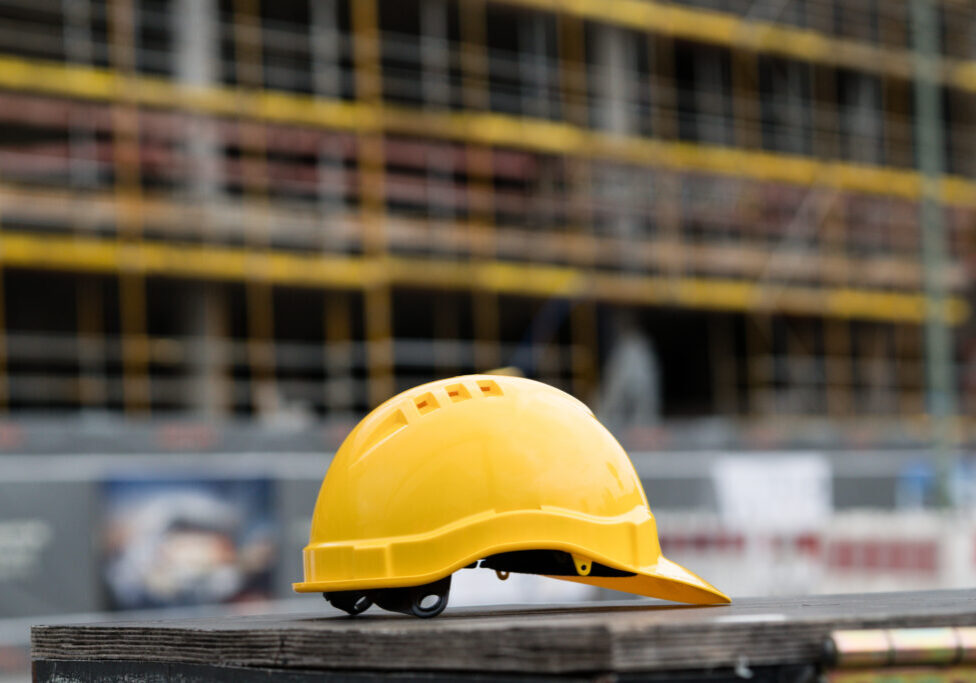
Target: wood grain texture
<point>603,637</point>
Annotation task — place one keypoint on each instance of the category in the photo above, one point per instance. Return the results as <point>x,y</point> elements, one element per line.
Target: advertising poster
<point>168,542</point>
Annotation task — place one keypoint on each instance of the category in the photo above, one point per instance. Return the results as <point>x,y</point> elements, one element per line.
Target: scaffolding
<point>217,207</point>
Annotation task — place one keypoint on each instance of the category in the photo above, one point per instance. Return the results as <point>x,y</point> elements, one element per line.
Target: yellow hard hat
<point>503,470</point>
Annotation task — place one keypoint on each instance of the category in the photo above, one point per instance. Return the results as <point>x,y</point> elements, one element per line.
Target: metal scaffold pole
<point>136,389</point>
<point>941,401</point>
<point>371,160</point>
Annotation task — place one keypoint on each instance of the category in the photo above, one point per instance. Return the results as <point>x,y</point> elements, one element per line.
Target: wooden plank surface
<point>596,637</point>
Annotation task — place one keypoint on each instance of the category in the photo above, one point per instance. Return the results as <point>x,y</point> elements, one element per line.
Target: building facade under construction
<point>749,210</point>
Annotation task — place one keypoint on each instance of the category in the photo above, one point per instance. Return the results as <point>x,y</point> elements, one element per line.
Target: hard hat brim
<point>664,579</point>
<point>434,555</point>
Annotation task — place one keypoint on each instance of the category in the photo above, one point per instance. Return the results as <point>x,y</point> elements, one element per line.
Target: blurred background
<point>743,231</point>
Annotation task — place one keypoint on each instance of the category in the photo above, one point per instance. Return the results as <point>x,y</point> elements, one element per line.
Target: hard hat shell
<point>456,470</point>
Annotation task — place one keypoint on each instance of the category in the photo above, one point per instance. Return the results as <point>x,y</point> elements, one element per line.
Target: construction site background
<point>742,231</point>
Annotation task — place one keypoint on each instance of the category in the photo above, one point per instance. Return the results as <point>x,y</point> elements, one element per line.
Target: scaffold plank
<point>484,128</point>
<point>87,254</point>
<point>631,636</point>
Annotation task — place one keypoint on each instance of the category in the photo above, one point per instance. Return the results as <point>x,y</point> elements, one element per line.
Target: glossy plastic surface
<point>456,470</point>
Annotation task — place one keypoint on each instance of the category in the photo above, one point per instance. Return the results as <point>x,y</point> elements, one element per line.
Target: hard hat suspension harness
<point>424,601</point>
<point>430,599</point>
<point>548,563</point>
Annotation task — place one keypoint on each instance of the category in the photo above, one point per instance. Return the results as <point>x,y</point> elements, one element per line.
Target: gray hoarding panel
<point>296,500</point>
<point>47,562</point>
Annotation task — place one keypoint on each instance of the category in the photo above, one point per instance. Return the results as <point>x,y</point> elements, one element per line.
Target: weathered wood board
<point>632,636</point>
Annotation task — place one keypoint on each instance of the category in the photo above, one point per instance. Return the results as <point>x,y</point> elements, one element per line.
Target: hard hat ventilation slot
<point>457,392</point>
<point>548,562</point>
<point>426,403</point>
<point>394,422</point>
<point>489,388</point>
